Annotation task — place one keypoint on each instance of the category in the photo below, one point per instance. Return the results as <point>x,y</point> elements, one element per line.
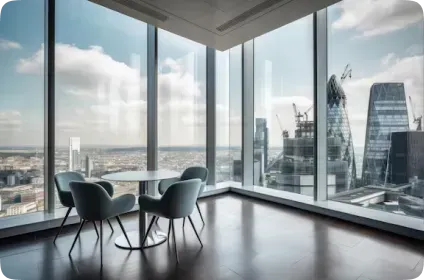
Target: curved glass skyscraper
<point>338,127</point>
<point>387,113</point>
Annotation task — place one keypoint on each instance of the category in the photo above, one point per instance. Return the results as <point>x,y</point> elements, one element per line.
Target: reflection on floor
<point>243,238</point>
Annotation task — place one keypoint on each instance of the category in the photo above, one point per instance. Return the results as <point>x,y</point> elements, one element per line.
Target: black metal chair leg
<point>195,231</point>
<point>169,228</point>
<point>111,228</point>
<point>157,220</point>
<point>148,231</point>
<point>63,223</point>
<point>184,222</point>
<point>175,242</point>
<point>200,213</point>
<point>123,230</point>
<point>76,237</point>
<point>101,243</point>
<point>95,227</point>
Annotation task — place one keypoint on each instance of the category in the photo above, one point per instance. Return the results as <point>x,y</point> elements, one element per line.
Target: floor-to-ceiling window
<point>283,102</point>
<point>235,116</point>
<point>228,115</point>
<point>181,102</point>
<point>376,104</point>
<point>223,164</point>
<point>101,111</point>
<point>21,108</point>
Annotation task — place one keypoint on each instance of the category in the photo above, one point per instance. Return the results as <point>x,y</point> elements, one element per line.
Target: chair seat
<point>121,205</point>
<point>151,205</point>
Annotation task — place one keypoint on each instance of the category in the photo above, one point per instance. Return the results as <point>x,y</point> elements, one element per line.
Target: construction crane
<point>297,115</point>
<point>417,120</point>
<point>284,133</point>
<point>307,111</point>
<point>346,74</point>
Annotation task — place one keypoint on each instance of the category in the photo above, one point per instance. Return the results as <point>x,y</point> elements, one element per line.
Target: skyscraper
<point>261,140</point>
<point>74,153</point>
<point>338,126</point>
<point>88,167</point>
<point>406,156</point>
<point>387,113</point>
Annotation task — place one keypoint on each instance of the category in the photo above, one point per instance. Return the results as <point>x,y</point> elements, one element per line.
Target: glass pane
<point>22,107</point>
<point>228,118</point>
<point>223,163</point>
<point>375,106</point>
<point>284,125</point>
<point>100,92</point>
<point>236,112</point>
<point>182,102</point>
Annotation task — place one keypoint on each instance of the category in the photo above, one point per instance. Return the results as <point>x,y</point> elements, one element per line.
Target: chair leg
<point>195,231</point>
<point>184,222</point>
<point>157,220</point>
<point>175,242</point>
<point>63,223</point>
<point>111,228</point>
<point>200,212</point>
<point>76,237</point>
<point>123,230</point>
<point>169,228</point>
<point>95,227</point>
<point>148,231</point>
<point>101,243</point>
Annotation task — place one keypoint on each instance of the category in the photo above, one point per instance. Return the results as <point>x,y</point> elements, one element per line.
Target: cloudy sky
<point>382,40</point>
<point>101,73</point>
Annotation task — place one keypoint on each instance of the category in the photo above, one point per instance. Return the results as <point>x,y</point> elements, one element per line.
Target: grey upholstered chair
<point>177,202</point>
<point>62,181</point>
<point>195,172</point>
<point>93,203</point>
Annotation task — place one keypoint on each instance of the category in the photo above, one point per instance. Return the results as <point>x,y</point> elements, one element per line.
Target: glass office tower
<point>74,153</point>
<point>338,130</point>
<point>387,113</point>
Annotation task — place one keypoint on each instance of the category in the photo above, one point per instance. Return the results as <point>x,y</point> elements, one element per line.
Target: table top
<point>141,176</point>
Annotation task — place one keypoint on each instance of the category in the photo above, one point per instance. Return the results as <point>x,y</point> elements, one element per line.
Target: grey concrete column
<point>211,115</point>
<point>49,104</point>
<point>320,103</point>
<point>247,112</point>
<point>152,102</point>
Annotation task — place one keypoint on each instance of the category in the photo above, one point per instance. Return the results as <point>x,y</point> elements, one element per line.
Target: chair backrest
<point>62,181</point>
<point>91,200</point>
<point>179,199</point>
<point>196,172</point>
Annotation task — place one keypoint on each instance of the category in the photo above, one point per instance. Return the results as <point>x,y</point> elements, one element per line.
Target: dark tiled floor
<point>243,238</point>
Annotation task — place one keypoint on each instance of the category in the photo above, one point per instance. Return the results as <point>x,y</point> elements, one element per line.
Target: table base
<point>155,238</point>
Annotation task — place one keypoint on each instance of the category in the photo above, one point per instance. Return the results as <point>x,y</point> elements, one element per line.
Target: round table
<point>156,236</point>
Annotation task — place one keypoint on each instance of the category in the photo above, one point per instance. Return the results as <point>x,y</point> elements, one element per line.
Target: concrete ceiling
<point>220,24</point>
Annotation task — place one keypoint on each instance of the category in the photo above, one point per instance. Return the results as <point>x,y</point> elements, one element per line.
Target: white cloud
<point>415,50</point>
<point>108,98</point>
<point>87,72</point>
<point>377,17</point>
<point>300,101</point>
<point>388,59</point>
<point>9,45</point>
<point>10,121</point>
<point>68,126</point>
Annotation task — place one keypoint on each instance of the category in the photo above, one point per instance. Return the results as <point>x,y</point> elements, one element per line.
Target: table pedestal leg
<point>155,237</point>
